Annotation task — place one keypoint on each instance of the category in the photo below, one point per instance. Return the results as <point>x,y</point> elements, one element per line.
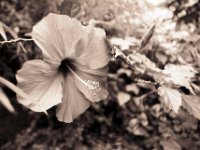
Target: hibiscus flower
<point>73,71</point>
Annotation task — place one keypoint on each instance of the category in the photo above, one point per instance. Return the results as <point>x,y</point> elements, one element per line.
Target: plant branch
<point>15,41</point>
<point>14,35</point>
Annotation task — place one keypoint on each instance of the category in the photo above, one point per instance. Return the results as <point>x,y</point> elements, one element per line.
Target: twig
<point>119,54</point>
<point>14,41</point>
<point>142,97</point>
<point>14,35</point>
<point>144,81</point>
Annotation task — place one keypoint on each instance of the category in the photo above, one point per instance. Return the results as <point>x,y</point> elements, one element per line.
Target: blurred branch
<point>142,97</point>
<point>15,41</point>
<point>146,82</point>
<point>14,35</point>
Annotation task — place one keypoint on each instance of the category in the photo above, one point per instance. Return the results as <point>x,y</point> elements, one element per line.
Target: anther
<point>93,87</point>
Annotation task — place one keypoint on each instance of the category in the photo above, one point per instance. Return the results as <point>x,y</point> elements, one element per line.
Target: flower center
<point>66,66</point>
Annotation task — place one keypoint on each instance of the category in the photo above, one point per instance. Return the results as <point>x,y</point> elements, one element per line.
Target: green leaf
<point>171,98</point>
<point>147,36</point>
<point>192,104</point>
<point>6,102</point>
<point>2,32</point>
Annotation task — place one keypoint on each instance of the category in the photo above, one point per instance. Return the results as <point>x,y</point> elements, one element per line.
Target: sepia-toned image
<point>100,75</point>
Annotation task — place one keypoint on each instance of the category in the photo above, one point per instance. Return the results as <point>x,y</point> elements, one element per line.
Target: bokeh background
<point>132,118</point>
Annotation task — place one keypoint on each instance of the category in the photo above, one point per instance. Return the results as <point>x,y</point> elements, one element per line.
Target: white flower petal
<point>96,52</point>
<point>47,37</point>
<point>42,83</point>
<point>57,36</point>
<point>74,103</point>
<point>61,37</point>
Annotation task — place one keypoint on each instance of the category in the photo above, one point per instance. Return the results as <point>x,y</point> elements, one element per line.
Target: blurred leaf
<point>2,32</point>
<point>147,36</point>
<point>127,72</point>
<point>157,74</point>
<point>171,98</point>
<point>72,8</point>
<point>133,88</point>
<point>143,120</point>
<point>133,122</point>
<point>66,7</point>
<point>14,88</point>
<point>192,105</point>
<point>157,110</point>
<point>123,98</point>
<point>5,101</point>
<point>124,44</point>
<point>14,35</point>
<point>135,128</point>
<point>170,144</point>
<point>143,60</point>
<point>111,46</point>
<point>77,11</point>
<point>161,57</point>
<point>180,75</point>
<point>189,122</point>
<point>118,52</point>
<point>120,55</point>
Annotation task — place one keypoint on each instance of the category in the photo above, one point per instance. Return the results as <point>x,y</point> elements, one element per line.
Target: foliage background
<point>107,125</point>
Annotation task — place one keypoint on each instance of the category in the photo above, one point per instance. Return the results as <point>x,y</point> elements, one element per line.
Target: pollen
<point>93,87</point>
